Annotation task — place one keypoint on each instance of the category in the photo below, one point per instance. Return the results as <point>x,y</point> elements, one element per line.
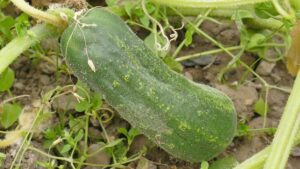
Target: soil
<point>36,77</point>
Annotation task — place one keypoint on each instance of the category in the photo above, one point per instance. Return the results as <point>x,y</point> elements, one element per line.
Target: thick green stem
<point>13,49</point>
<point>257,161</point>
<point>269,23</point>
<point>207,4</point>
<point>38,14</point>
<point>281,10</point>
<point>287,130</point>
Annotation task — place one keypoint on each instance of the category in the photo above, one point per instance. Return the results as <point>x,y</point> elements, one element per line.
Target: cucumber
<point>193,122</point>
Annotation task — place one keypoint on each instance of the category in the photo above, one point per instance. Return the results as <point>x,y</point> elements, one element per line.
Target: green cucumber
<point>191,121</point>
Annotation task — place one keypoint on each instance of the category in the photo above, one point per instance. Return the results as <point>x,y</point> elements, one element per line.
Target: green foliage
<point>152,44</point>
<point>51,164</point>
<point>260,107</point>
<point>2,158</point>
<point>295,4</point>
<point>118,149</point>
<point>189,35</point>
<point>3,3</point>
<point>6,24</point>
<point>94,104</point>
<point>243,129</point>
<point>75,124</point>
<point>65,149</point>
<point>130,135</point>
<point>11,28</point>
<point>9,114</point>
<point>173,64</point>
<point>51,135</point>
<point>22,24</point>
<point>6,79</point>
<point>204,165</point>
<point>136,13</point>
<point>121,149</point>
<point>224,163</point>
<point>82,106</point>
<point>111,2</point>
<point>265,10</point>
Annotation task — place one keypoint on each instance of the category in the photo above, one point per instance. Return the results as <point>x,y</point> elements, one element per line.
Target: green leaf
<point>265,10</point>
<point>2,155</point>
<point>173,64</point>
<point>260,107</point>
<point>82,89</point>
<point>145,21</point>
<point>189,35</point>
<point>120,150</point>
<point>9,114</point>
<point>123,131</point>
<point>128,9</point>
<point>50,134</point>
<point>133,132</point>
<point>2,158</point>
<point>243,14</point>
<point>244,33</point>
<point>76,124</point>
<point>295,4</point>
<point>243,129</point>
<point>256,41</point>
<point>6,79</point>
<point>7,24</point>
<point>82,106</point>
<point>204,165</point>
<point>66,148</point>
<point>22,24</point>
<point>68,137</point>
<point>113,143</point>
<point>111,2</point>
<point>48,95</point>
<point>150,43</point>
<point>3,3</point>
<point>96,101</point>
<point>79,136</point>
<point>224,163</point>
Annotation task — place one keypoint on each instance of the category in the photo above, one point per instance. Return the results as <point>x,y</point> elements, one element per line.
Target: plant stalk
<point>205,53</point>
<point>20,44</point>
<point>38,14</point>
<point>255,22</point>
<point>207,4</point>
<point>287,130</point>
<point>257,161</point>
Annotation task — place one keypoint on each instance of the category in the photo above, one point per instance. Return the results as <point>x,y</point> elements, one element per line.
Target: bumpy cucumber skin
<point>191,121</point>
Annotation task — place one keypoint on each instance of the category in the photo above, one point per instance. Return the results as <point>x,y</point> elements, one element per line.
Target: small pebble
<point>296,152</point>
<point>188,75</point>
<point>18,85</point>
<point>265,68</point>
<point>99,158</point>
<point>203,60</point>
<point>44,79</point>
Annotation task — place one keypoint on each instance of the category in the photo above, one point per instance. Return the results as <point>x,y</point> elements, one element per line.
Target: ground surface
<point>35,78</point>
